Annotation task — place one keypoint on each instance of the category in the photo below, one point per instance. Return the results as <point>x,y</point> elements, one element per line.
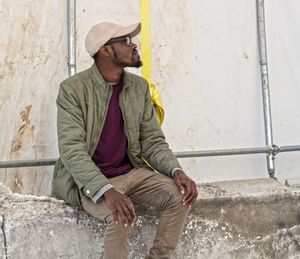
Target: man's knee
<point>119,227</point>
<point>173,196</point>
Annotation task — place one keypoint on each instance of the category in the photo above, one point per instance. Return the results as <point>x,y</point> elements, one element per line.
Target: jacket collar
<point>96,75</point>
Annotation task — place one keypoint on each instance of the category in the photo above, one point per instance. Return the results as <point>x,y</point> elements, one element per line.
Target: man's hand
<point>187,187</point>
<point>121,206</point>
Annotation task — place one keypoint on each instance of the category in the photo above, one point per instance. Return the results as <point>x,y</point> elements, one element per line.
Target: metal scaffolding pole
<point>222,152</point>
<point>71,37</point>
<point>265,84</point>
<point>27,163</point>
<point>186,154</point>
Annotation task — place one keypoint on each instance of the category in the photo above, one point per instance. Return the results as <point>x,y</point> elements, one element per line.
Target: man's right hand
<point>121,206</point>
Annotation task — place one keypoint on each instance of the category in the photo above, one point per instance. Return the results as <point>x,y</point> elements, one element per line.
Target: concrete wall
<point>33,61</point>
<point>204,62</point>
<point>234,219</point>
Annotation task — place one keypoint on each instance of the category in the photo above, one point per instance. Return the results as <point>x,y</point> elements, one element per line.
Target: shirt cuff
<point>175,169</point>
<point>102,190</point>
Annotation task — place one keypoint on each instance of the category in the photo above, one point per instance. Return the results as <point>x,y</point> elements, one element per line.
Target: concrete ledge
<point>2,241</point>
<point>234,219</point>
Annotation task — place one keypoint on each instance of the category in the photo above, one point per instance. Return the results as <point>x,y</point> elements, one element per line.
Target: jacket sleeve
<point>72,145</point>
<point>155,149</point>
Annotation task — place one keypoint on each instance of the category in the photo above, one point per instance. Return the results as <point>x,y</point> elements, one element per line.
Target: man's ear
<point>105,51</point>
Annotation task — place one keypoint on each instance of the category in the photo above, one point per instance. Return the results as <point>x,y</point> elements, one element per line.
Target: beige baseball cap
<point>101,33</point>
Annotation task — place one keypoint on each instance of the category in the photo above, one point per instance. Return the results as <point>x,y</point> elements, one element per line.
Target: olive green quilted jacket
<point>82,104</point>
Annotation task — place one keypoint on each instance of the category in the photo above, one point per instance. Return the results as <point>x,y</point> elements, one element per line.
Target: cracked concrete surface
<point>2,239</point>
<point>235,219</point>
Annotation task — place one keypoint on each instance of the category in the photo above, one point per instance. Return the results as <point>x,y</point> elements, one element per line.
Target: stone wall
<point>236,219</point>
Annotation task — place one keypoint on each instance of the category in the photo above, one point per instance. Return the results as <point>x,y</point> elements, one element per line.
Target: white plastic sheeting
<point>33,54</point>
<point>204,62</point>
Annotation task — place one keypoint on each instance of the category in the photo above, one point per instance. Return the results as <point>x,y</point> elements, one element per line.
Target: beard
<point>135,63</point>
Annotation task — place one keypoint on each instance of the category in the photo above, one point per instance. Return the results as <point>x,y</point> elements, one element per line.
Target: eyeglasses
<point>126,40</point>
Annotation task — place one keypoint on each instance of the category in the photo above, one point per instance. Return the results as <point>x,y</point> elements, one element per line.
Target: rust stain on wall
<point>17,184</point>
<point>26,129</point>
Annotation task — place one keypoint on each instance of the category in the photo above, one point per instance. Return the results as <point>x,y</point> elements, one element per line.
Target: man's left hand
<point>187,187</point>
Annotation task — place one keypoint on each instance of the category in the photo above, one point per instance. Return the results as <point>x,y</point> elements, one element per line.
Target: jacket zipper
<point>125,127</point>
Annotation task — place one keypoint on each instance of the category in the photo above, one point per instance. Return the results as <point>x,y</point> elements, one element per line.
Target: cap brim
<point>131,30</point>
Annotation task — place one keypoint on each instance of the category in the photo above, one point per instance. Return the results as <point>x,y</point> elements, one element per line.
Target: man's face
<point>124,52</point>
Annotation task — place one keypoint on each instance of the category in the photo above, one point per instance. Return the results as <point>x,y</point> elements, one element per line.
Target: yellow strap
<point>146,57</point>
<point>145,37</point>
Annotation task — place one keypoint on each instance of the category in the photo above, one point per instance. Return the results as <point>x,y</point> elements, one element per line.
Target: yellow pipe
<point>146,57</point>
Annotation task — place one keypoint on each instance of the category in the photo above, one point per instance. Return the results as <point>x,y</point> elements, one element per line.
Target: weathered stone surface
<point>236,219</point>
<point>255,207</point>
<point>2,246</point>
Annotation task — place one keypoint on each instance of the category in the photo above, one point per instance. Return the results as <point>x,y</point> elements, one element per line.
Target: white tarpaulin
<point>204,56</point>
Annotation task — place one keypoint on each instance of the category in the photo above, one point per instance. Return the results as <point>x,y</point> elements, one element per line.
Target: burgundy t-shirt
<point>111,152</point>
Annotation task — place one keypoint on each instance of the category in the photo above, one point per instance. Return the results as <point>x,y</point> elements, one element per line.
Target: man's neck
<point>110,73</point>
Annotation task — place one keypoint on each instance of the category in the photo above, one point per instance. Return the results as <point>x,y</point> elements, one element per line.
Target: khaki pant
<point>143,187</point>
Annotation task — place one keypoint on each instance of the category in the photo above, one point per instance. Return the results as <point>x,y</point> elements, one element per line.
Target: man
<point>107,129</point>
